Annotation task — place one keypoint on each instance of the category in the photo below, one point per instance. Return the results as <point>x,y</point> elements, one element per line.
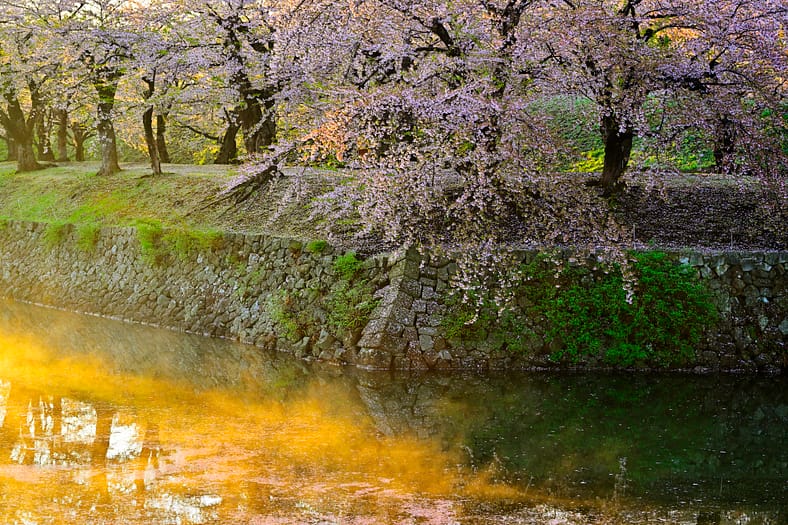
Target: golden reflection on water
<point>82,442</point>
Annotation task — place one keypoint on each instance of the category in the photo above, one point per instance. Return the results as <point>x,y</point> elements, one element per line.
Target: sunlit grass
<point>73,193</point>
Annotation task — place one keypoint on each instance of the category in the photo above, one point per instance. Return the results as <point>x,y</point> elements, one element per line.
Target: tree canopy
<point>452,113</point>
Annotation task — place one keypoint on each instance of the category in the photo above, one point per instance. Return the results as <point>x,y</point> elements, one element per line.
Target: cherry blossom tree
<point>98,37</point>
<point>159,60</point>
<point>435,115</point>
<point>624,55</point>
<point>25,72</point>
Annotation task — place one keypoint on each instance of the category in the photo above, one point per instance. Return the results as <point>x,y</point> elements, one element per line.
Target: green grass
<point>182,204</point>
<point>184,198</point>
<point>168,212</point>
<point>72,193</point>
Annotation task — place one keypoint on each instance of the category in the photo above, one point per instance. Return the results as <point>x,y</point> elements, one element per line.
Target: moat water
<point>103,422</point>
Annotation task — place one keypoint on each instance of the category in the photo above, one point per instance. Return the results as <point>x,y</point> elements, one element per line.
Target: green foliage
<point>350,302</point>
<point>347,265</point>
<point>661,324</point>
<point>594,162</point>
<point>282,309</point>
<point>574,121</point>
<point>316,247</point>
<point>690,152</point>
<point>185,243</point>
<point>587,313</point>
<point>500,327</point>
<point>350,305</point>
<point>87,236</point>
<point>149,234</point>
<point>54,233</point>
<point>156,242</point>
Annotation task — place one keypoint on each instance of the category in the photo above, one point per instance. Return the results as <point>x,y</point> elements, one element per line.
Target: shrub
<point>149,234</point>
<point>54,233</point>
<point>349,306</point>
<point>316,246</point>
<point>503,328</point>
<point>661,324</point>
<point>347,265</point>
<point>281,308</point>
<point>587,313</point>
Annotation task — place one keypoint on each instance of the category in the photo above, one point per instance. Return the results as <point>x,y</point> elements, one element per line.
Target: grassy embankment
<point>181,199</point>
<point>184,199</point>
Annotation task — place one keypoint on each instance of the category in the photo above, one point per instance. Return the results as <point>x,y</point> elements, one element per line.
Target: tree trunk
<point>10,149</point>
<point>725,146</point>
<point>62,135</point>
<point>150,141</point>
<point>105,128</point>
<point>618,147</point>
<point>26,157</point>
<point>80,135</point>
<point>109,148</point>
<point>258,123</point>
<point>43,129</point>
<point>228,152</point>
<point>21,130</point>
<point>147,126</point>
<point>161,142</point>
<point>79,150</point>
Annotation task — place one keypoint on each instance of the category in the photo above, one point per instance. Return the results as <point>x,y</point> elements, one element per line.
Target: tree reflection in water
<point>110,423</point>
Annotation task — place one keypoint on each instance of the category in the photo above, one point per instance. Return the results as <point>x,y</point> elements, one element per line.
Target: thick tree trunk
<point>21,131</point>
<point>109,148</point>
<point>106,137</point>
<point>79,149</point>
<point>62,135</point>
<point>161,138</point>
<point>257,117</point>
<point>106,90</point>
<point>150,141</point>
<point>258,124</point>
<point>618,147</point>
<point>26,157</point>
<point>228,152</point>
<point>80,136</point>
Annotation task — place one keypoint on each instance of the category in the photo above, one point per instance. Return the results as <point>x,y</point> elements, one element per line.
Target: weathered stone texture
<point>234,290</point>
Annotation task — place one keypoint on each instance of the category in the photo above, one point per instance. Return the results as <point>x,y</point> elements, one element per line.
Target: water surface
<point>103,422</point>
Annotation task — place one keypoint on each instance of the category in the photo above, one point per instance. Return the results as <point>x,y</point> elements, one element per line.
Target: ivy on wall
<point>581,312</point>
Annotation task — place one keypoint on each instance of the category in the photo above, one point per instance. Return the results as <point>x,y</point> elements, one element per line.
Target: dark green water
<point>102,422</point>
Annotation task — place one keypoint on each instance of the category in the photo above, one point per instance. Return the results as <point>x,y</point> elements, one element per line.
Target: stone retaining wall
<point>749,290</point>
<point>283,294</point>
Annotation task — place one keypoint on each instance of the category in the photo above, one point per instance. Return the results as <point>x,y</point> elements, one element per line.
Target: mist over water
<point>104,422</point>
